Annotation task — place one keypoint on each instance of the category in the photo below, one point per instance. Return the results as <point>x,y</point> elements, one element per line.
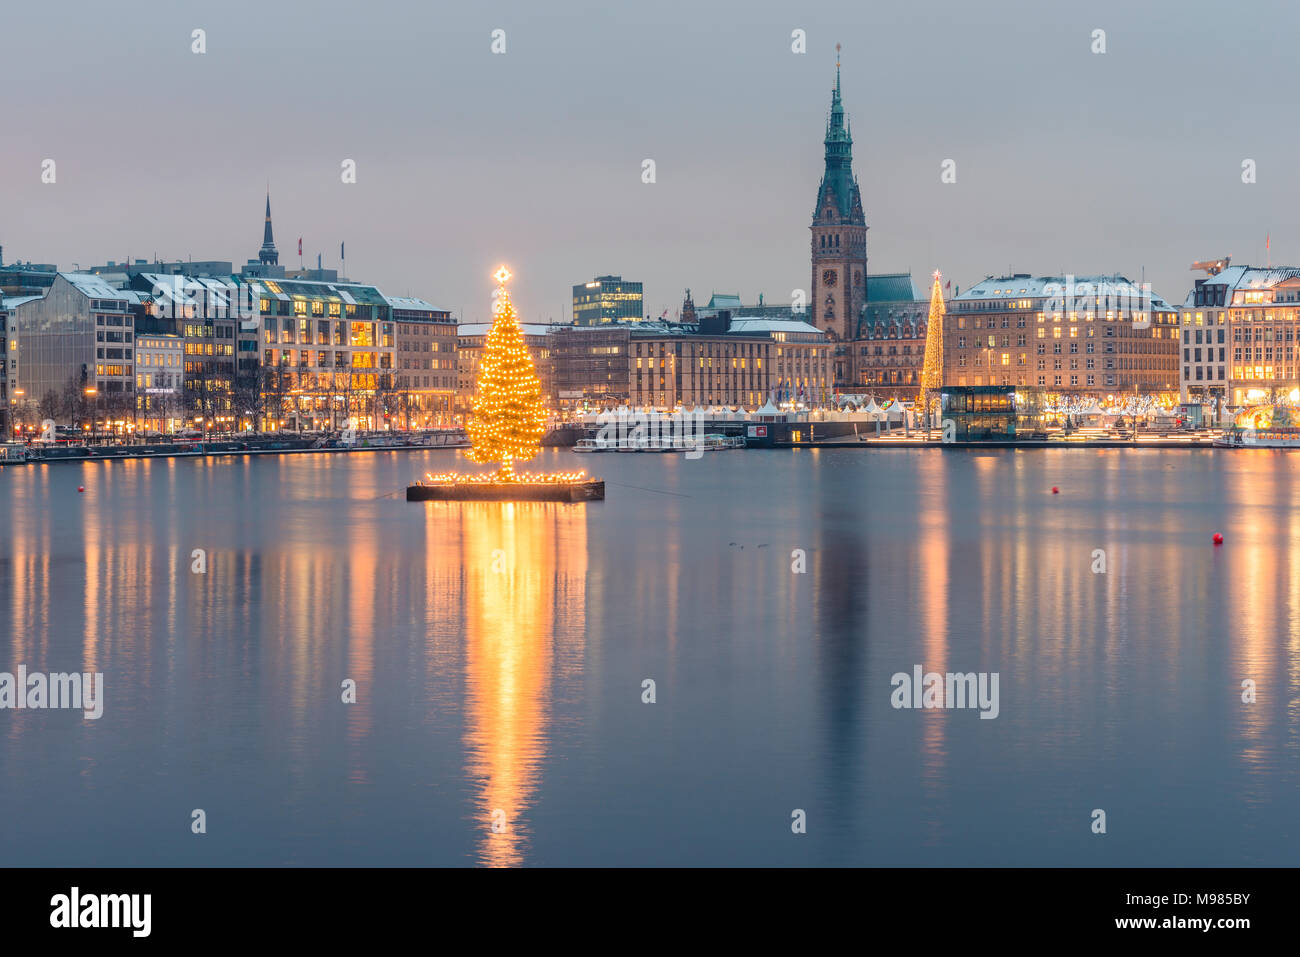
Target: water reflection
<point>524,588</point>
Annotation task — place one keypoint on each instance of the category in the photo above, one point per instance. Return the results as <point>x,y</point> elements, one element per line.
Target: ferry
<point>710,443</point>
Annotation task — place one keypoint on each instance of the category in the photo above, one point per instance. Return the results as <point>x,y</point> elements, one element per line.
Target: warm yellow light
<point>502,276</point>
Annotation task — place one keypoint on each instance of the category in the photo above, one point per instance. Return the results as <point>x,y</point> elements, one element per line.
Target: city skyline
<point>734,128</point>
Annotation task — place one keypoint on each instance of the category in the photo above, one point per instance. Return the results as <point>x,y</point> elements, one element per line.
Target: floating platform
<point>591,490</point>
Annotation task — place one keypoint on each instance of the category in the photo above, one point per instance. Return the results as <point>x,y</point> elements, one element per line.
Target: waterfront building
<point>76,342</point>
<point>8,378</point>
<point>589,365</point>
<point>839,243</point>
<point>425,363</point>
<point>724,361</point>
<point>889,345</point>
<point>1240,335</point>
<point>1095,335</point>
<point>328,354</point>
<point>993,412</point>
<point>204,313</point>
<point>159,381</point>
<point>607,299</point>
<point>470,339</point>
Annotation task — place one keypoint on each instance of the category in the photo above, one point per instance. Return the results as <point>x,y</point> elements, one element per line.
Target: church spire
<point>268,255</point>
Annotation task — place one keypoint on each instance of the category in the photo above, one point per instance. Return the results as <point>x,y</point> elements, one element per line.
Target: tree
<point>49,405</point>
<point>508,420</point>
<point>249,400</point>
<point>932,366</point>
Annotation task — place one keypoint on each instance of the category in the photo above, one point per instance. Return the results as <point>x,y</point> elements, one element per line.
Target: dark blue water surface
<point>499,654</point>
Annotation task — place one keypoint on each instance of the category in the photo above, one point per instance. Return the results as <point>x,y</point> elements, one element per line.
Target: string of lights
<point>932,366</point>
<point>508,419</point>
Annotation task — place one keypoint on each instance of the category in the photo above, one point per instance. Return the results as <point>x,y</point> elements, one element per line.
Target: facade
<point>425,364</point>
<point>839,242</point>
<point>328,355</point>
<point>471,338</point>
<point>1240,335</point>
<point>993,412</point>
<point>889,346</point>
<point>590,365</point>
<point>8,386</point>
<point>159,382</point>
<point>77,350</point>
<point>744,361</point>
<point>607,299</point>
<point>205,313</point>
<point>1094,335</point>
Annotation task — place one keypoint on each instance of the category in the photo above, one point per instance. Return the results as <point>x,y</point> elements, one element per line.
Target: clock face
<point>829,276</point>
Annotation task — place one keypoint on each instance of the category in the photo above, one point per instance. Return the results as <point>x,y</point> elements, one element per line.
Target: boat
<point>590,445</point>
<point>720,443</point>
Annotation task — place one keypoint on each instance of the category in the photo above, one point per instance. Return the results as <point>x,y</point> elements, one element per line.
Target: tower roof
<point>838,185</point>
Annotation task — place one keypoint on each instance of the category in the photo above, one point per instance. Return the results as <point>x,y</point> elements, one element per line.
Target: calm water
<point>499,653</point>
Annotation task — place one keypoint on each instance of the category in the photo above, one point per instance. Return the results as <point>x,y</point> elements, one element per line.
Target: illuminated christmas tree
<point>932,367</point>
<point>509,419</point>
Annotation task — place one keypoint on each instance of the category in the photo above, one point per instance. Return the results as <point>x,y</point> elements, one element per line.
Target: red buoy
<point>1218,539</point>
<point>81,488</point>
<point>1055,490</point>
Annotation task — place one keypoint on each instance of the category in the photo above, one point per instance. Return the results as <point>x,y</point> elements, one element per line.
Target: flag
<point>299,245</point>
<point>341,256</point>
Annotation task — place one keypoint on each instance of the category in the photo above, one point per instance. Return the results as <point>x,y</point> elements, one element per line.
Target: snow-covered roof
<point>168,287</point>
<point>92,286</point>
<point>1242,278</point>
<point>411,302</point>
<point>13,302</point>
<point>755,325</point>
<point>1023,286</point>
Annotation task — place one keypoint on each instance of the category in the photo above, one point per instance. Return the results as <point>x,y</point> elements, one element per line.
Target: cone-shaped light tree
<point>509,419</point>
<point>932,366</point>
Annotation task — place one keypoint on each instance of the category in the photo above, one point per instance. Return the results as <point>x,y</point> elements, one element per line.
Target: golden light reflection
<point>525,568</point>
<point>1262,575</point>
<point>934,556</point>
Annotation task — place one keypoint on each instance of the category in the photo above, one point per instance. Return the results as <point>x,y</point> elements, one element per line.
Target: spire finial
<point>837,67</point>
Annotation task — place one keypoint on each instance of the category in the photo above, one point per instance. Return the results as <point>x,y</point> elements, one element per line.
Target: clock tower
<point>839,240</point>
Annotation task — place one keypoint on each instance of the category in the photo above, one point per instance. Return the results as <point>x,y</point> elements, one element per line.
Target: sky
<point>1066,160</point>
